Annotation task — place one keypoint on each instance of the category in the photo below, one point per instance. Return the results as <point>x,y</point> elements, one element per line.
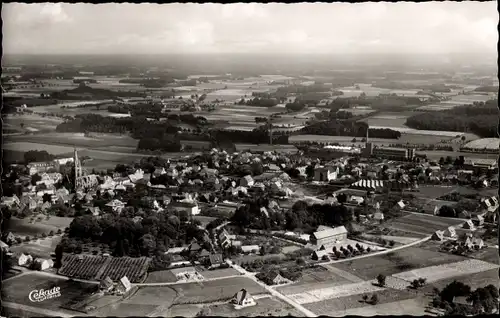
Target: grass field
<point>269,306</point>
<point>488,143</point>
<point>215,290</point>
<point>42,248</point>
<point>17,290</point>
<point>125,310</point>
<point>78,140</point>
<point>23,227</point>
<point>395,262</point>
<point>423,224</point>
<point>27,146</point>
<point>412,138</point>
<point>165,276</point>
<point>219,273</point>
<point>314,278</point>
<point>153,296</point>
<point>432,192</point>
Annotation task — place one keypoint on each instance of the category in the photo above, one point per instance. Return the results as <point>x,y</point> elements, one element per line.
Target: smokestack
<point>367,130</point>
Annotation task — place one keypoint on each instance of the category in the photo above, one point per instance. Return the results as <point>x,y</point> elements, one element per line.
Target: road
<point>272,291</point>
<point>38,310</point>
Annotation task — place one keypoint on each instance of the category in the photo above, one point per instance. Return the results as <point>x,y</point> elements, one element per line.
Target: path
<point>38,310</point>
<point>273,292</point>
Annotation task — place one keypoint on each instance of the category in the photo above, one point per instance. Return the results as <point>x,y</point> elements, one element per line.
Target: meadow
<point>488,143</point>
<point>23,227</point>
<point>42,248</point>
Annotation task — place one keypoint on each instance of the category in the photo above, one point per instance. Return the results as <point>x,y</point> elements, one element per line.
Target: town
<point>197,188</point>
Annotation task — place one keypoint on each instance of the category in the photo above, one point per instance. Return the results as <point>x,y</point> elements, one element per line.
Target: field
<point>422,224</point>
<point>42,248</point>
<point>314,278</point>
<point>23,227</point>
<point>17,289</point>
<point>488,143</point>
<point>219,273</point>
<point>36,122</point>
<point>98,267</point>
<point>165,276</point>
<point>411,137</point>
<point>123,309</point>
<point>266,147</point>
<point>268,306</point>
<point>211,291</point>
<point>432,192</point>
<point>396,262</point>
<point>27,146</point>
<point>346,290</point>
<point>444,271</point>
<point>79,140</point>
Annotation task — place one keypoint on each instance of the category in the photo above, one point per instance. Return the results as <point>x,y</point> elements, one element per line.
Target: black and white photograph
<point>250,159</point>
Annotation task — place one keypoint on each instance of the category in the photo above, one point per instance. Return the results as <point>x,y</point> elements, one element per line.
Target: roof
<point>125,282</point>
<point>332,232</point>
<point>241,296</point>
<point>368,184</point>
<point>177,271</point>
<point>106,282</point>
<point>216,258</point>
<point>248,178</point>
<point>249,248</point>
<point>177,204</point>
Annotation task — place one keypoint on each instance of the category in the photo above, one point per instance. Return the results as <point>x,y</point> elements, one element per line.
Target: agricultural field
<point>412,138</point>
<point>315,278</point>
<point>79,140</point>
<point>432,192</point>
<point>388,119</point>
<point>268,306</point>
<point>344,305</point>
<point>27,146</point>
<point>412,307</point>
<point>98,267</point>
<point>165,276</point>
<point>219,273</point>
<point>17,290</point>
<point>23,227</point>
<point>422,224</point>
<point>123,309</point>
<point>488,143</point>
<point>474,280</point>
<point>180,311</point>
<point>266,147</point>
<point>33,121</point>
<point>212,291</point>
<point>41,248</point>
<point>396,262</point>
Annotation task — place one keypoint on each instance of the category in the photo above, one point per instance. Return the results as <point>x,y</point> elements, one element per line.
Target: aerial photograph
<point>250,159</point>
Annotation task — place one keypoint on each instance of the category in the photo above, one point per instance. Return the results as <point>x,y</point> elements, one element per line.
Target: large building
<point>481,165</point>
<point>325,173</point>
<point>328,236</point>
<point>394,153</point>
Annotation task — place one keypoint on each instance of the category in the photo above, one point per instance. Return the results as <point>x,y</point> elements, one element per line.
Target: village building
<point>24,260</point>
<point>247,181</point>
<point>477,243</point>
<point>329,237</point>
<point>450,232</point>
<point>469,225</point>
<point>243,299</point>
<point>123,285</point>
<point>325,174</point>
<point>438,236</point>
<point>277,279</point>
<point>247,249</point>
<point>116,206</point>
<point>4,246</point>
<point>106,285</point>
<point>478,220</point>
<point>215,260</point>
<point>43,264</point>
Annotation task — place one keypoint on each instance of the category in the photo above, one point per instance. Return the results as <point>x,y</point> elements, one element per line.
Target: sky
<point>301,28</point>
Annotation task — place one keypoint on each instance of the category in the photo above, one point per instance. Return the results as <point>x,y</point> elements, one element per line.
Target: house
<point>203,255</point>
<point>45,206</point>
<point>224,240</point>
<point>247,181</point>
<point>477,243</point>
<point>4,246</point>
<point>450,232</point>
<point>243,299</point>
<point>11,201</point>
<point>43,264</point>
<point>116,205</point>
<point>277,279</point>
<point>378,216</point>
<point>250,249</point>
<point>94,210</point>
<point>24,260</point>
<point>469,225</point>
<point>106,284</point>
<point>159,171</point>
<point>438,236</point>
<point>194,247</point>
<point>215,260</point>
<point>479,220</point>
<point>190,208</point>
<point>9,238</point>
<point>123,285</point>
<point>325,174</point>
<point>328,237</point>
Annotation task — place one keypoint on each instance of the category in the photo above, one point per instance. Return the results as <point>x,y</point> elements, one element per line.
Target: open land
<point>23,227</point>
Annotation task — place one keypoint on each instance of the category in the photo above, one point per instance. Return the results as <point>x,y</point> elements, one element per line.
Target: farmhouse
<point>250,249</point>
<point>4,246</point>
<point>479,220</point>
<point>24,260</point>
<point>325,174</point>
<point>450,232</point>
<point>243,299</point>
<point>328,237</point>
<point>247,181</point>
<point>215,260</point>
<point>277,279</point>
<point>469,225</point>
<point>123,285</point>
<point>438,236</point>
<point>116,205</point>
<point>43,264</point>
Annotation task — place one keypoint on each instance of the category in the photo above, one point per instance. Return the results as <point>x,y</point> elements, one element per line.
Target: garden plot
<point>335,292</point>
<point>42,248</point>
<point>268,306</point>
<point>23,227</point>
<point>435,273</point>
<point>488,143</point>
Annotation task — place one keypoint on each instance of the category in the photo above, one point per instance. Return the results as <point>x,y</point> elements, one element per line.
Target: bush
<point>44,235</point>
<point>374,299</point>
<point>27,239</point>
<point>59,231</point>
<point>51,233</point>
<point>381,280</point>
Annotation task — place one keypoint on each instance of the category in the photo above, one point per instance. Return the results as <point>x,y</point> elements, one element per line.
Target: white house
<point>450,232</point>
<point>123,285</point>
<point>24,260</point>
<point>116,205</point>
<point>247,181</point>
<point>325,174</point>
<point>43,264</point>
<point>243,299</point>
<point>438,236</point>
<point>250,248</point>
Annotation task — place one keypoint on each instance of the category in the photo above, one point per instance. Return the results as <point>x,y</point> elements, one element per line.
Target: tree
<point>365,298</point>
<point>374,299</point>
<point>381,280</point>
<point>35,178</point>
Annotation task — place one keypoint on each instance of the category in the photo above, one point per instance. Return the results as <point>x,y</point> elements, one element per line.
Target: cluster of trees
<point>350,127</point>
<point>312,97</point>
<point>482,299</point>
<point>37,156</point>
<point>296,106</point>
<point>149,82</point>
<point>480,119</point>
<point>151,236</point>
<point>93,93</point>
<point>259,135</point>
<point>259,102</point>
<point>165,143</point>
<point>303,89</point>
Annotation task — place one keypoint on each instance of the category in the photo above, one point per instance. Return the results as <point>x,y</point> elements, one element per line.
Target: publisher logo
<point>37,296</point>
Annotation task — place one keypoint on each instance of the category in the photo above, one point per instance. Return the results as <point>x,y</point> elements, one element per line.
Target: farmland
<point>268,306</point>
<point>219,273</point>
<point>421,223</point>
<point>17,289</point>
<point>395,262</point>
<point>42,248</point>
<point>23,227</point>
<point>98,267</point>
<point>488,143</point>
<point>211,291</point>
<point>314,278</point>
<point>412,137</point>
<point>27,146</point>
